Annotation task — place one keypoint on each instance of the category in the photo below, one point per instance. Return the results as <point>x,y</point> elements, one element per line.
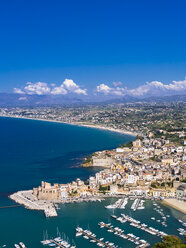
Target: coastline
<point>176,204</point>
<point>80,124</point>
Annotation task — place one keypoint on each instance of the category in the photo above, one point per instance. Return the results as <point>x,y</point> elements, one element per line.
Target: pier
<point>135,204</point>
<point>27,199</point>
<point>58,244</point>
<point>136,223</point>
<point>120,204</point>
<point>130,237</point>
<point>91,236</point>
<point>12,206</point>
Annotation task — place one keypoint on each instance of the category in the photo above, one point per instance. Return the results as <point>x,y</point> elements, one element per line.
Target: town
<point>151,166</point>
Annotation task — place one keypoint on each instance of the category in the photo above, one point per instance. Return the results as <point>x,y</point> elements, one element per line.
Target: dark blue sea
<point>32,151</point>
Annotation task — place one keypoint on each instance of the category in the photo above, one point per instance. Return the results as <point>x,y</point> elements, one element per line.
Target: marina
<point>137,204</point>
<point>119,204</point>
<point>137,224</point>
<point>159,210</point>
<point>89,235</point>
<point>130,236</point>
<point>57,242</point>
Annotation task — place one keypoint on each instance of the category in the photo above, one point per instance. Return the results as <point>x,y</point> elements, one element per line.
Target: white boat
<point>22,245</point>
<point>16,246</point>
<point>78,234</point>
<point>85,237</point>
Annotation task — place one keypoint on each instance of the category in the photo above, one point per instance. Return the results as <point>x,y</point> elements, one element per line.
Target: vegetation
<point>128,144</point>
<point>155,158</point>
<point>157,185</point>
<point>88,161</point>
<point>86,182</point>
<point>170,242</point>
<point>103,189</point>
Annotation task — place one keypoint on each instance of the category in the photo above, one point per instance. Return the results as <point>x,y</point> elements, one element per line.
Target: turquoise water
<point>31,151</point>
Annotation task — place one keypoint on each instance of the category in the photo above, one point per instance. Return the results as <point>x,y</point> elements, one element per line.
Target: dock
<point>91,236</point>
<point>27,199</point>
<point>136,224</point>
<point>12,206</point>
<point>120,233</point>
<point>135,204</point>
<point>119,204</point>
<point>58,243</point>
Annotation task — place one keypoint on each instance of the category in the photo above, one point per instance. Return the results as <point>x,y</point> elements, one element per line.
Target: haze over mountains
<point>12,99</point>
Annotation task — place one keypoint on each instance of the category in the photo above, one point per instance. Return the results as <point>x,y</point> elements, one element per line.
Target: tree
<point>103,189</point>
<point>170,242</point>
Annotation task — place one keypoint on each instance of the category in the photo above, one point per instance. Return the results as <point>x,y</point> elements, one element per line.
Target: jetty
<point>119,204</point>
<point>27,199</point>
<point>12,206</point>
<point>137,224</point>
<point>135,204</point>
<point>57,242</point>
<point>89,235</point>
<point>119,232</point>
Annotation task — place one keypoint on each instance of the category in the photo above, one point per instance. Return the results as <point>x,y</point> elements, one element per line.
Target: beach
<point>174,203</point>
<point>106,128</point>
<point>81,124</point>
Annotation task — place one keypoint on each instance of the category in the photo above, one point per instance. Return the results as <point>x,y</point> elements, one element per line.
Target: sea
<point>32,151</point>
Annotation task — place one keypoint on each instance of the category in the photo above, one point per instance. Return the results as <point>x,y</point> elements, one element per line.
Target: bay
<point>32,151</point>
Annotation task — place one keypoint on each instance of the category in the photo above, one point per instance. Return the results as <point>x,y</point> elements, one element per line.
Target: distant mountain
<point>174,98</point>
<point>13,100</point>
<point>131,99</point>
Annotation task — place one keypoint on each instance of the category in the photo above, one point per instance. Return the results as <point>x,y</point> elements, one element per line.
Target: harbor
<point>29,201</point>
<point>137,204</point>
<point>89,235</point>
<point>74,213</point>
<point>57,242</point>
<point>130,236</point>
<point>137,224</point>
<point>119,204</point>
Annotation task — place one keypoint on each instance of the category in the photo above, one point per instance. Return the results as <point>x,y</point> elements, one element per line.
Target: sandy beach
<point>174,203</point>
<point>105,128</point>
<point>80,124</point>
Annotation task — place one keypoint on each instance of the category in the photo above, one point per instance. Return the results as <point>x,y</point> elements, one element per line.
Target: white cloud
<point>38,88</point>
<point>148,89</point>
<point>18,91</point>
<point>80,91</point>
<point>103,88</point>
<point>72,87</point>
<point>59,91</point>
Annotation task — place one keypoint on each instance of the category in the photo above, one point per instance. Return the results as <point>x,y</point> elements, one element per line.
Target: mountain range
<point>13,100</point>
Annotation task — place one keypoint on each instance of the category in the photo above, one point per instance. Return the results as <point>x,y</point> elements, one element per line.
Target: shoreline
<point>80,125</point>
<point>176,204</point>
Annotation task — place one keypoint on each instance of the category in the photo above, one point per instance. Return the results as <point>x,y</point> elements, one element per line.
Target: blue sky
<point>93,43</point>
